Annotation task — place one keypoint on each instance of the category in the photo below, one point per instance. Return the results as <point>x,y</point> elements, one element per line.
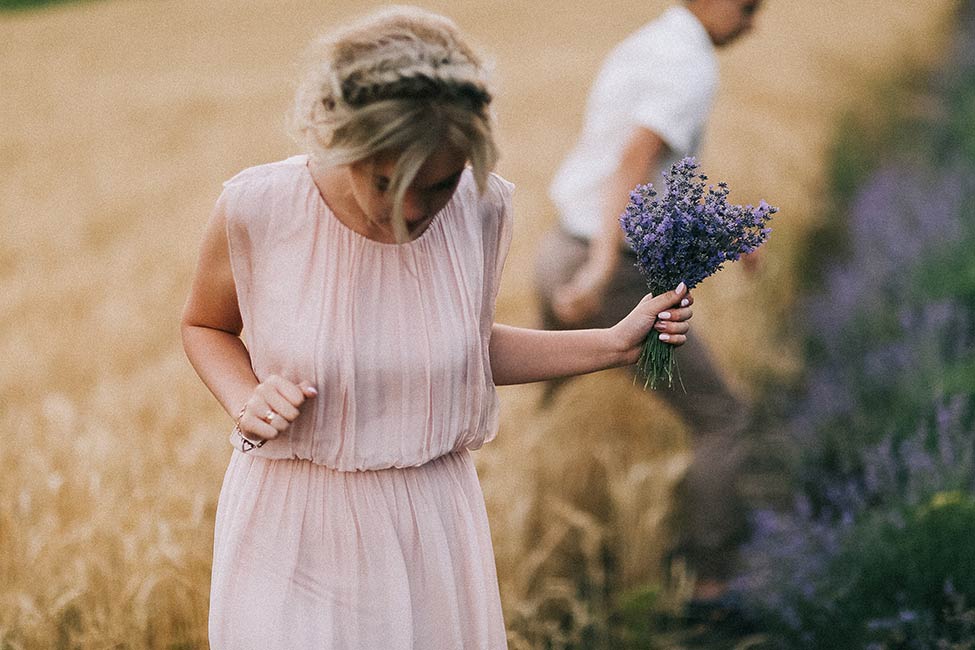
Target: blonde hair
<point>403,80</point>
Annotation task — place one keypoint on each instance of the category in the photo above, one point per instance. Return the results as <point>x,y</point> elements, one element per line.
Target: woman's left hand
<point>667,314</point>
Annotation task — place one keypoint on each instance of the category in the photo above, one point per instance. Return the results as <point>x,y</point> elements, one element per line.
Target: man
<point>647,109</point>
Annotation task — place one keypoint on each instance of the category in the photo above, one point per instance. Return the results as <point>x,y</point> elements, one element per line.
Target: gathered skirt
<point>308,557</point>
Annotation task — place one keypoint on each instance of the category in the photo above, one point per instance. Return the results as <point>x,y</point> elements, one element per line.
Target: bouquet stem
<point>657,363</point>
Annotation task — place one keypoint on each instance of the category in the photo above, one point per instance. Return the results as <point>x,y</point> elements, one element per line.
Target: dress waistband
<point>449,456</point>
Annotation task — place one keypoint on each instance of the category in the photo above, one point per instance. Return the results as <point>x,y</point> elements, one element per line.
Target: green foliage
<point>636,617</point>
<point>864,140</point>
<point>951,272</point>
<point>889,320</point>
<point>871,560</point>
<point>954,135</point>
<point>897,581</point>
<point>913,563</point>
<point>26,5</point>
<point>849,161</point>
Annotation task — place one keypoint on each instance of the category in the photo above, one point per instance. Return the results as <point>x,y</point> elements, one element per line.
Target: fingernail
<point>685,302</point>
<point>312,390</point>
<point>664,337</point>
<point>681,287</point>
<point>664,315</point>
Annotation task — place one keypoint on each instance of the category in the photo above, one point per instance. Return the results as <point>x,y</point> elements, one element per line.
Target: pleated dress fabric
<point>363,526</point>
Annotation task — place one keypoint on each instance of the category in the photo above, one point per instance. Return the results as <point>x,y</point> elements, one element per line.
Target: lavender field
<point>877,551</point>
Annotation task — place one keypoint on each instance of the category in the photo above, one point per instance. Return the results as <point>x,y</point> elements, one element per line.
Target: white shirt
<point>662,77</point>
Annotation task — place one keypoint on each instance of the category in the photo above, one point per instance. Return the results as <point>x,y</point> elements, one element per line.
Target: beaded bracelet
<point>246,444</point>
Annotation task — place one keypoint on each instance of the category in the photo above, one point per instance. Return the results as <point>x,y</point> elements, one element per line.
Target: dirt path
<point>121,119</point>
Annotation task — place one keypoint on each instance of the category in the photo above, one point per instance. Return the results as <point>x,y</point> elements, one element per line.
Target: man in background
<point>647,109</point>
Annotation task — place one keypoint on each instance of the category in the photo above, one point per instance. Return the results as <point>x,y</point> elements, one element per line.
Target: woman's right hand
<point>272,407</point>
<point>666,313</point>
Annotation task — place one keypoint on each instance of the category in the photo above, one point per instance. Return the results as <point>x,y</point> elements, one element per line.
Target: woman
<point>364,275</point>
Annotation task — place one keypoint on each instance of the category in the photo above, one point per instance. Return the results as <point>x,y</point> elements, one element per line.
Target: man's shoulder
<point>674,37</point>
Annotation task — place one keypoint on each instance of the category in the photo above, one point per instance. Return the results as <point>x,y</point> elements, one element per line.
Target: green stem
<point>657,363</point>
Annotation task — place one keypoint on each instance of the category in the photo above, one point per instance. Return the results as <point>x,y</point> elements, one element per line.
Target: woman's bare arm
<point>211,325</point>
<point>520,355</point>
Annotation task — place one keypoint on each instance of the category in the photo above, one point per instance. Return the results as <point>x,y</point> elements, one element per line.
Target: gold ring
<point>269,416</point>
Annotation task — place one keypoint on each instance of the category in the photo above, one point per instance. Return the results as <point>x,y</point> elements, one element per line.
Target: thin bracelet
<point>246,444</point>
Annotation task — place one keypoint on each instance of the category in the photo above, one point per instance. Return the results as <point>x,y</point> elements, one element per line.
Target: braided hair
<point>403,80</point>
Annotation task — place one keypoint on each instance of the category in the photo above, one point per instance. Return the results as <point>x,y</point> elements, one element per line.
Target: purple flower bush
<point>884,333</point>
<point>844,573</point>
<point>685,236</point>
<point>885,432</point>
<point>902,213</point>
<point>876,549</point>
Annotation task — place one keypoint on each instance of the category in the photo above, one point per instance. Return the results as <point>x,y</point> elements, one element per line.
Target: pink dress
<point>363,526</point>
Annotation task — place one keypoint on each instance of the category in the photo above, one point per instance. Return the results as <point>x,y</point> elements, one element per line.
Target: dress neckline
<point>323,204</point>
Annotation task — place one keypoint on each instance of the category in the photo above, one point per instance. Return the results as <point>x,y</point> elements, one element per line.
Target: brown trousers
<point>710,519</point>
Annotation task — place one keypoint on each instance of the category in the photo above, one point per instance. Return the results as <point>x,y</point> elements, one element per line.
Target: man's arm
<point>582,296</point>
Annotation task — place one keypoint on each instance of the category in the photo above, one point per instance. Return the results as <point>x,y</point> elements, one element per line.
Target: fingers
<point>308,389</point>
<point>673,339</point>
<point>273,406</point>
<point>286,389</point>
<point>667,300</point>
<point>674,331</point>
<point>672,311</point>
<point>277,402</point>
<point>676,296</point>
<point>671,327</point>
<point>253,427</point>
<point>678,315</point>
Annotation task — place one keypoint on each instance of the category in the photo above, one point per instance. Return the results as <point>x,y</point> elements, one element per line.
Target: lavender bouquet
<point>686,235</point>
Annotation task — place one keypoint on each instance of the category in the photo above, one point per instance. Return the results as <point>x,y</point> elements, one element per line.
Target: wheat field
<point>119,122</point>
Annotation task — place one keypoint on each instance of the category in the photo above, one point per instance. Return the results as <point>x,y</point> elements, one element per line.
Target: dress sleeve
<point>496,224</point>
<point>232,201</point>
<point>498,230</point>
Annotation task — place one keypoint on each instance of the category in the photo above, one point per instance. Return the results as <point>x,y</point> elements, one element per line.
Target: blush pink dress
<point>363,526</point>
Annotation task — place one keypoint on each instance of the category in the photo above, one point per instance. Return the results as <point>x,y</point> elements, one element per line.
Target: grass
<point>27,5</point>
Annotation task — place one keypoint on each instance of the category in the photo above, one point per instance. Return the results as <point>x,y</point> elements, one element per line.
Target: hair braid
<point>401,53</point>
<point>402,79</point>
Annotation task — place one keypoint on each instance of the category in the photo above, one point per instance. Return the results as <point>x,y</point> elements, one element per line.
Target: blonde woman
<point>363,275</point>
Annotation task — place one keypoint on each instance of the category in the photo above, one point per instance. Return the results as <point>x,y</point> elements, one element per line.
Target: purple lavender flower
<point>893,223</point>
<point>684,236</point>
